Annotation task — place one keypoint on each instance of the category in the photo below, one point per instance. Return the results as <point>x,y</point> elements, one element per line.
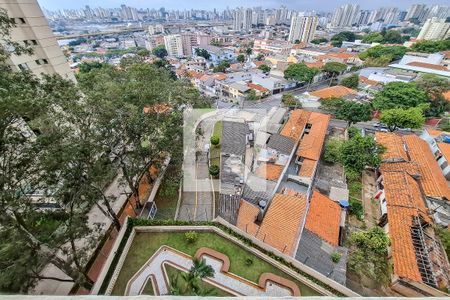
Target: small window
<point>22,21</point>
<point>34,42</point>
<point>23,67</point>
<point>444,165</point>
<point>13,20</point>
<point>26,43</point>
<point>45,61</point>
<point>38,61</point>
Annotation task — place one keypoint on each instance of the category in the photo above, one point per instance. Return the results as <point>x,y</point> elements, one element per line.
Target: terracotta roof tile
<point>295,124</point>
<point>308,167</point>
<point>445,150</point>
<point>366,80</point>
<point>317,64</point>
<point>246,217</point>
<point>257,87</point>
<point>427,66</point>
<point>434,132</point>
<point>409,167</point>
<point>323,218</point>
<point>219,76</point>
<point>394,149</point>
<point>280,227</point>
<point>311,144</point>
<point>433,182</point>
<point>334,91</point>
<point>269,171</point>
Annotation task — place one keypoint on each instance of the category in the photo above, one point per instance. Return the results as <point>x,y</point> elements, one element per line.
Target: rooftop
<point>334,91</point>
<point>312,141</point>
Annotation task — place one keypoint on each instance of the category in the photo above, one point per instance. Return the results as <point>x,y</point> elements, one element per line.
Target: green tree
<point>248,51</point>
<point>435,87</point>
<point>264,68</point>
<point>373,37</point>
<point>300,72</point>
<point>391,52</point>
<point>260,57</point>
<point>359,152</point>
<point>200,269</point>
<point>319,41</point>
<point>86,67</point>
<point>334,68</point>
<point>143,52</point>
<point>348,36</point>
<point>289,100</point>
<point>214,170</point>
<point>215,140</point>
<point>431,46</point>
<point>222,66</point>
<point>399,95</point>
<point>203,53</point>
<point>403,118</point>
<point>351,81</point>
<point>332,151</point>
<point>369,254</point>
<point>251,96</point>
<point>240,58</point>
<point>392,37</point>
<point>353,112</point>
<point>160,51</point>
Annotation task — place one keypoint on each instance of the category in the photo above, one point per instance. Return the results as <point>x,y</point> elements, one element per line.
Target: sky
<point>318,5</point>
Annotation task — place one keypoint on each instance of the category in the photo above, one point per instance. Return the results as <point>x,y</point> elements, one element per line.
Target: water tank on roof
<point>446,139</point>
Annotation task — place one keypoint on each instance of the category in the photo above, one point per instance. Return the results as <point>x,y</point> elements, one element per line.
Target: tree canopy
<point>431,46</point>
<point>350,111</point>
<point>240,58</point>
<point>399,95</point>
<point>203,53</point>
<point>348,36</point>
<point>435,87</point>
<point>221,67</point>
<point>160,51</point>
<point>384,53</point>
<point>319,41</point>
<point>403,118</point>
<point>334,68</point>
<point>264,68</point>
<point>351,81</point>
<point>300,72</point>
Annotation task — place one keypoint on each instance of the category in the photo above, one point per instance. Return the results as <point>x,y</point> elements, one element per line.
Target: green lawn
<point>214,153</point>
<point>148,289</point>
<point>175,278</point>
<point>145,244</point>
<point>167,196</point>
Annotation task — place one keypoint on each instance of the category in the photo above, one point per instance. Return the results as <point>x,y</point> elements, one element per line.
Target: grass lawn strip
<point>146,244</point>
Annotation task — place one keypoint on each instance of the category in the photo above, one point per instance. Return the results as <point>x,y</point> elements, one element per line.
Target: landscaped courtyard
<point>242,262</point>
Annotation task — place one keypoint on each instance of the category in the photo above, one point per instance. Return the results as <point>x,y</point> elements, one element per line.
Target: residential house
<point>424,63</point>
<point>337,91</point>
<point>410,188</point>
<point>217,54</point>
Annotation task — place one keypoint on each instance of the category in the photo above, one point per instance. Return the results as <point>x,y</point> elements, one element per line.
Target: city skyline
<point>318,5</point>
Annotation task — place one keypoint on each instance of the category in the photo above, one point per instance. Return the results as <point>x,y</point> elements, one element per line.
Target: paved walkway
<point>371,206</point>
<point>154,271</point>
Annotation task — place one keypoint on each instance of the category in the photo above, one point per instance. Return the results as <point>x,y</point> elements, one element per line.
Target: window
<point>444,165</point>
<point>22,20</point>
<point>45,61</point>
<point>23,67</point>
<point>34,42</point>
<point>38,62</point>
<point>30,42</point>
<point>13,20</point>
<point>41,61</point>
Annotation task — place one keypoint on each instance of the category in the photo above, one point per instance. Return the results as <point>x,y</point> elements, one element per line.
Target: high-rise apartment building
<point>345,15</point>
<point>247,19</point>
<point>439,11</point>
<point>237,19</point>
<point>174,45</point>
<point>417,11</point>
<point>189,40</point>
<point>434,29</point>
<point>32,29</point>
<point>154,29</point>
<point>303,28</point>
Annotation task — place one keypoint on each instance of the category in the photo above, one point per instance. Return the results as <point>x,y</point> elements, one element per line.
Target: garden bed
<point>214,151</point>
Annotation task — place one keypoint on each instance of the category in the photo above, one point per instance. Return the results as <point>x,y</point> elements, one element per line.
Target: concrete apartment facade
<point>32,29</point>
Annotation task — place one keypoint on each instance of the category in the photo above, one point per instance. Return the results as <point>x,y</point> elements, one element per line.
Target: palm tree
<point>200,269</point>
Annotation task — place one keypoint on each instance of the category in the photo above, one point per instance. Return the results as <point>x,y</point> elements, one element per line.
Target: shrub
<point>214,170</point>
<point>335,257</point>
<point>191,237</point>
<point>248,262</point>
<point>215,140</point>
<point>356,209</point>
<point>332,150</point>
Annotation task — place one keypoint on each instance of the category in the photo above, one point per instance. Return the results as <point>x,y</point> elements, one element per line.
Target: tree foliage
<point>399,95</point>
<point>350,111</point>
<point>431,46</point>
<point>240,58</point>
<point>319,41</point>
<point>86,67</point>
<point>264,68</point>
<point>334,68</point>
<point>160,51</point>
<point>221,67</point>
<point>203,53</point>
<point>435,87</point>
<point>347,36</point>
<point>300,72</point>
<point>369,254</point>
<point>379,52</point>
<point>403,118</point>
<point>351,81</point>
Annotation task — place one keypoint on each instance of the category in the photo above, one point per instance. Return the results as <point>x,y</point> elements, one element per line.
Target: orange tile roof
<point>317,64</point>
<point>323,218</point>
<point>409,167</point>
<point>404,202</point>
<point>334,91</point>
<point>311,144</point>
<point>257,87</point>
<point>219,76</point>
<point>269,171</point>
<point>394,150</point>
<point>259,63</point>
<point>366,80</point>
<point>195,74</point>
<point>295,124</point>
<point>445,150</point>
<point>308,167</point>
<point>434,132</point>
<point>246,217</point>
<point>339,55</point>
<point>205,77</point>
<point>428,66</point>
<point>280,227</point>
<point>433,182</point>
